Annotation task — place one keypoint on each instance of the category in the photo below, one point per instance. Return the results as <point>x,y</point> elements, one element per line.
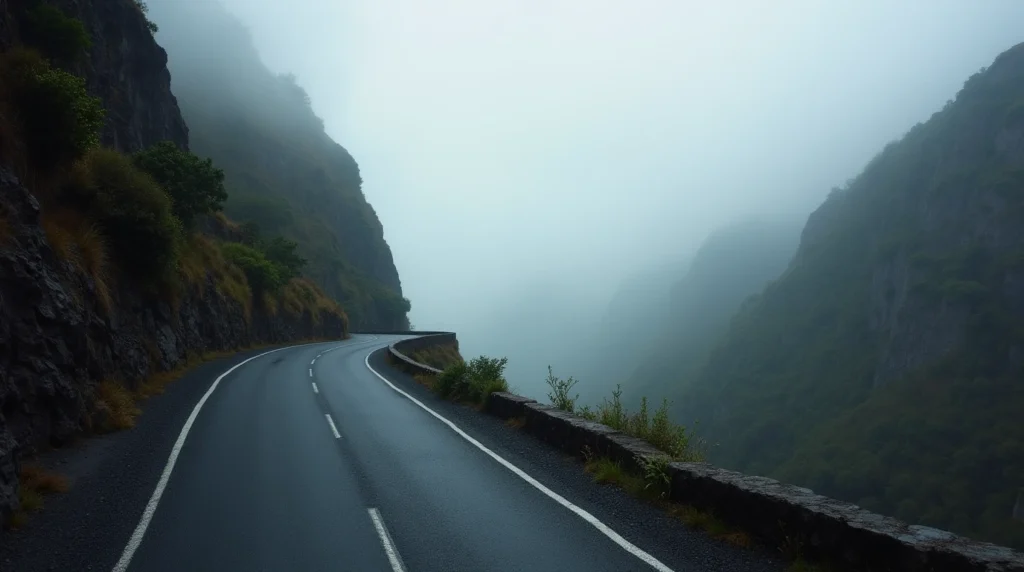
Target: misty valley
<point>736,274</point>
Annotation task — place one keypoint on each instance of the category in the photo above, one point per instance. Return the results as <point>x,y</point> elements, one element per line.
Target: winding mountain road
<point>324,457</point>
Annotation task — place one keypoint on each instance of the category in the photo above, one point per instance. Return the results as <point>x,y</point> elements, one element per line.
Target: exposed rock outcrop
<point>57,342</point>
<point>127,69</point>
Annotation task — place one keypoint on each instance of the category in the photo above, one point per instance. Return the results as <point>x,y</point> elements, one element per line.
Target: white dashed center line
<point>315,388</point>
<point>386,542</point>
<point>334,429</point>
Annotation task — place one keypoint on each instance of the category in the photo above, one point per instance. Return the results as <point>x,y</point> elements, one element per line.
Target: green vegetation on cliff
<point>119,218</point>
<point>282,171</point>
<point>884,365</point>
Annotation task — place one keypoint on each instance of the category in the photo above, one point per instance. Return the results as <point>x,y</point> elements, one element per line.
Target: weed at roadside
<point>158,382</point>
<point>659,430</point>
<point>35,483</point>
<point>37,478</point>
<point>559,393</point>
<point>118,406</point>
<point>472,382</point>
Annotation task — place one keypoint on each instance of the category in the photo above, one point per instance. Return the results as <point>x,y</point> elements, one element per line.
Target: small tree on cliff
<point>195,186</point>
<point>281,251</point>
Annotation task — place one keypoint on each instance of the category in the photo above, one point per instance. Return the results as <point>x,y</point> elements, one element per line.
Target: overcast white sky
<point>513,147</point>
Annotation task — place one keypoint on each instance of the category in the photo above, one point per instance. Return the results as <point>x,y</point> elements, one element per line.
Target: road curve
<point>305,459</point>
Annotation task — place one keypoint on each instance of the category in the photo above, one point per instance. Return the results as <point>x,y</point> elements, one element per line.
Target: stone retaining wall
<point>777,514</point>
<point>401,349</point>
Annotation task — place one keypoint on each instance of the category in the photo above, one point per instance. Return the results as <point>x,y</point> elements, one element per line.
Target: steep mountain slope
<point>733,263</point>
<point>885,365</point>
<point>283,173</point>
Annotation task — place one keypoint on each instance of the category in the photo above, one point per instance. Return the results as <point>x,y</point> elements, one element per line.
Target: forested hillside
<point>283,173</point>
<point>886,365</point>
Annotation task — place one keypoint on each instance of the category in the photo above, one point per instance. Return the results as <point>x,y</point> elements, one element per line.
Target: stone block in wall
<point>819,527</point>
<point>506,405</point>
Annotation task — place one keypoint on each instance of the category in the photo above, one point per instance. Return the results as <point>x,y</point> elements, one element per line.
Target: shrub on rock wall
<point>263,275</point>
<point>133,211</point>
<point>59,37</point>
<point>50,109</point>
<point>195,186</point>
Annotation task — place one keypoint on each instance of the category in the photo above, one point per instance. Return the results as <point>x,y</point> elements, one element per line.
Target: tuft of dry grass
<point>158,382</point>
<point>606,471</point>
<point>119,404</point>
<point>301,295</point>
<point>92,248</point>
<point>29,499</point>
<point>75,239</point>
<point>58,236</point>
<point>709,523</point>
<point>516,422</point>
<point>235,285</point>
<point>425,379</point>
<point>192,264</point>
<point>226,223</point>
<point>269,304</point>
<point>35,483</point>
<point>35,477</point>
<point>439,356</point>
<point>201,258</point>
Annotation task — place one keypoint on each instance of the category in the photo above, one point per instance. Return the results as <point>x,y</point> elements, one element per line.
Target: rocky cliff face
<point>56,339</point>
<point>282,171</point>
<point>125,68</point>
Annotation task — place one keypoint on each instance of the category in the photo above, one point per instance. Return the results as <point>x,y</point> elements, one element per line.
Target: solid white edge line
<point>334,428</point>
<point>589,518</point>
<point>315,388</point>
<point>386,541</point>
<point>154,500</point>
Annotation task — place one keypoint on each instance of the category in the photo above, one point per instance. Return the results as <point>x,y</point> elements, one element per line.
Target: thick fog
<point>527,157</point>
